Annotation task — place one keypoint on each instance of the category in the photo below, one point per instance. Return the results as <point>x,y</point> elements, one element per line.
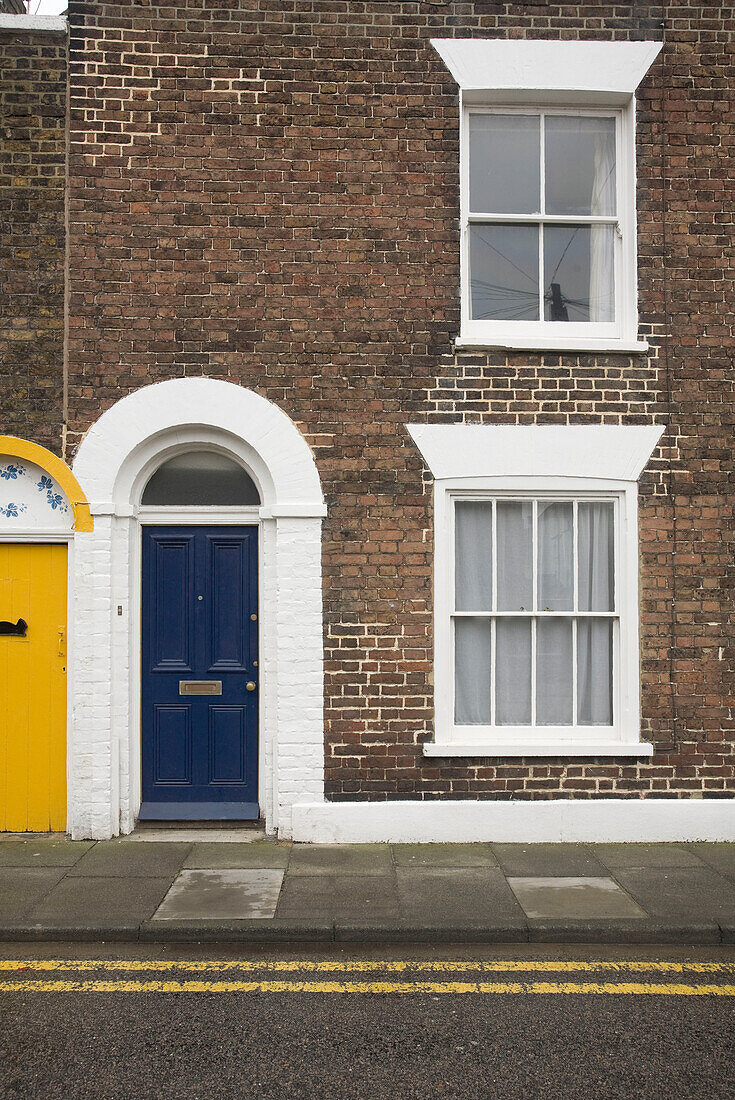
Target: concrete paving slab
<point>448,856</point>
<point>57,852</point>
<point>550,860</point>
<point>340,859</point>
<point>681,893</point>
<point>719,857</point>
<point>446,896</point>
<point>579,898</point>
<point>222,894</point>
<point>263,853</point>
<point>195,836</point>
<point>118,859</point>
<point>21,888</point>
<point>344,897</point>
<point>614,856</point>
<point>99,901</point>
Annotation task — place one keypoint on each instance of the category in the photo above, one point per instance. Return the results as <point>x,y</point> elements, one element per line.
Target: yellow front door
<point>33,688</point>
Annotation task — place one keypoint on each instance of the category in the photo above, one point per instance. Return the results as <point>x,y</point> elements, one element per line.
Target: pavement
<point>215,887</point>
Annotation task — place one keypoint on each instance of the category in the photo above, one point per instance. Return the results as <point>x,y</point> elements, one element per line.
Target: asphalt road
<point>192,1023</point>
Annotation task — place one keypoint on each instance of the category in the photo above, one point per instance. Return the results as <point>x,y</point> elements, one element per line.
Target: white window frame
<point>559,334</point>
<point>623,736</point>
<point>569,77</point>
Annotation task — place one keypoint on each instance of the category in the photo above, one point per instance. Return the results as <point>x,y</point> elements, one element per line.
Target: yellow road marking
<point>458,966</point>
<point>195,986</point>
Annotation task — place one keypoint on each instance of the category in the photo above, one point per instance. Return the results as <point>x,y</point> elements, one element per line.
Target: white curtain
<point>473,549</point>
<point>554,672</point>
<point>515,555</point>
<point>513,672</point>
<point>555,556</point>
<point>596,593</point>
<point>602,237</point>
<point>594,672</point>
<point>472,642</point>
<point>595,550</point>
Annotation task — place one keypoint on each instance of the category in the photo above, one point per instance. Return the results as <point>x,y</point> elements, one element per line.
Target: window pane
<point>200,478</point>
<point>579,273</point>
<point>473,541</point>
<point>554,672</point>
<point>596,557</point>
<point>472,647</point>
<point>555,557</point>
<point>504,272</point>
<point>513,672</point>
<point>515,555</point>
<point>580,165</point>
<point>505,164</point>
<point>594,672</point>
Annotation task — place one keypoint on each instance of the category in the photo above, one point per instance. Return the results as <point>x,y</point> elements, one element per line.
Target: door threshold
<point>241,812</point>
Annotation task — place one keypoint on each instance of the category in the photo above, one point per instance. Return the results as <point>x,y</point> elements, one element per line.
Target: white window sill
<point>611,347</point>
<point>547,748</point>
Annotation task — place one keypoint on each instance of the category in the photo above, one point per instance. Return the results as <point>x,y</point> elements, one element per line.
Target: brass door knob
<point>250,685</point>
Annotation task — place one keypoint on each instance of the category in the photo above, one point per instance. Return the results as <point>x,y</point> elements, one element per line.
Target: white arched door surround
<point>114,462</point>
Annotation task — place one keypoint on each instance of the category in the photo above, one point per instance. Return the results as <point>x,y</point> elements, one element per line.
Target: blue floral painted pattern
<point>12,471</point>
<point>46,485</point>
<point>12,510</point>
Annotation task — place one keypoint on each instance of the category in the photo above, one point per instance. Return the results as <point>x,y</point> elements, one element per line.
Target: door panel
<point>33,586</point>
<point>199,652</point>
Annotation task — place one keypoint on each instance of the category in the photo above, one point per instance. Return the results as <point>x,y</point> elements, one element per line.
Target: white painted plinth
<point>560,820</point>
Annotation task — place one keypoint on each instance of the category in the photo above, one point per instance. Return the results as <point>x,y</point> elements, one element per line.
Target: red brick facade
<point>32,171</point>
<point>267,192</point>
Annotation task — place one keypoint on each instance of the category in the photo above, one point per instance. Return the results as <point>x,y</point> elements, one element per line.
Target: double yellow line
<point>321,984</point>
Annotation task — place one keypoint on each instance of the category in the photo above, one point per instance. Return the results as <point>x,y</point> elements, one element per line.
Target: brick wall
<point>32,114</point>
<point>267,192</point>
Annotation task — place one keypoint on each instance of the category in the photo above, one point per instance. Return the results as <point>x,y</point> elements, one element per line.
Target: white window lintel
<point>526,70</point>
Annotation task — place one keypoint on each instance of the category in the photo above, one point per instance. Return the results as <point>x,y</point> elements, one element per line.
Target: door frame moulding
<point>81,526</point>
<point>115,460</point>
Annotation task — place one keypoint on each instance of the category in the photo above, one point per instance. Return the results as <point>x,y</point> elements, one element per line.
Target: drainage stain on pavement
<point>223,894</point>
<point>574,898</point>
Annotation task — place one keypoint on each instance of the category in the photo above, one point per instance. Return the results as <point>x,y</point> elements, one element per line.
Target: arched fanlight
<point>200,478</point>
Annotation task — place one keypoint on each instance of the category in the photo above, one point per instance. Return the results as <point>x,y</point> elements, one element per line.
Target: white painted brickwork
<point>113,464</point>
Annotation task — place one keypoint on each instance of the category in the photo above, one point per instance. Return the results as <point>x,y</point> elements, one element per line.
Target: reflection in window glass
<point>580,165</point>
<point>504,272</point>
<point>202,478</point>
<point>505,164</point>
<point>579,268</point>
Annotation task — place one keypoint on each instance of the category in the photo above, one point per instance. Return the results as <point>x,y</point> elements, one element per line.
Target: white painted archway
<point>115,460</point>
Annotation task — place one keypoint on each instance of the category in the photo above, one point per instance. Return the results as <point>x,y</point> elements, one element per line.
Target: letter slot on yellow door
<point>32,687</point>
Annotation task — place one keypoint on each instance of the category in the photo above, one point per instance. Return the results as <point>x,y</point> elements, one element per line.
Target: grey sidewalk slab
<point>681,893</point>
<point>222,894</point>
<point>654,856</point>
<point>349,897</point>
<point>450,856</point>
<point>468,895</point>
<point>340,859</point>
<point>121,859</point>
<point>99,901</point>
<point>256,854</point>
<point>43,853</point>
<point>22,887</point>
<point>548,859</point>
<point>719,857</point>
<point>584,898</point>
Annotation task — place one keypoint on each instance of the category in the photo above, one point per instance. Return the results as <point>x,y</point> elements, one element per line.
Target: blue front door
<point>200,673</point>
